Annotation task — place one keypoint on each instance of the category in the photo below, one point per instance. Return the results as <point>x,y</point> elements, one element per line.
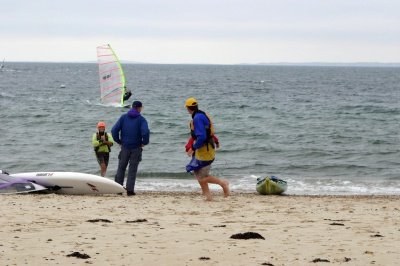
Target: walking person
<point>102,142</point>
<point>132,133</point>
<point>203,149</point>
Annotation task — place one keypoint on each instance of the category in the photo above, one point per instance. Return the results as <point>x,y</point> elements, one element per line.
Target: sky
<point>204,31</point>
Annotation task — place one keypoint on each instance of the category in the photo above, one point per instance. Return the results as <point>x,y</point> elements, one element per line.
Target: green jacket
<point>102,147</point>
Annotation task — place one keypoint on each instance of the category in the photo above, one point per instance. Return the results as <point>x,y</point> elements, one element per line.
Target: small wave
<point>371,109</point>
<point>234,150</point>
<point>378,142</point>
<point>394,178</point>
<point>6,95</point>
<point>331,186</point>
<point>179,175</point>
<point>40,115</point>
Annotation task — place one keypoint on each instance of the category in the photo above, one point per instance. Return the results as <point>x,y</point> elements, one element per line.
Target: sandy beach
<point>182,229</point>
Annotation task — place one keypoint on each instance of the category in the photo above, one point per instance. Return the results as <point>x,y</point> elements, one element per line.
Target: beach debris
<point>193,224</point>
<point>336,220</point>
<point>222,225</point>
<point>377,235</point>
<point>204,258</point>
<point>267,263</point>
<point>137,221</point>
<point>247,235</point>
<point>368,252</point>
<point>79,255</point>
<point>340,224</point>
<point>319,260</point>
<point>346,259</point>
<point>99,220</point>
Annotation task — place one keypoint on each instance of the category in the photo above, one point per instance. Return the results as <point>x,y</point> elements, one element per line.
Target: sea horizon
<point>312,63</point>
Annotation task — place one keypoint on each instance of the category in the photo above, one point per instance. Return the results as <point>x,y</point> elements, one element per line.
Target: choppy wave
<point>326,130</point>
<point>363,109</point>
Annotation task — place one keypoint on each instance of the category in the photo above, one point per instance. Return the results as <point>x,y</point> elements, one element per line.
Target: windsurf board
<point>73,183</point>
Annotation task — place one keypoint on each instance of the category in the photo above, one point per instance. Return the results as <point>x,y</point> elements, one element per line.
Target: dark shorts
<point>103,157</point>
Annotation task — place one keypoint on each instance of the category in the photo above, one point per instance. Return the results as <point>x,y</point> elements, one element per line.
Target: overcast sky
<point>204,31</point>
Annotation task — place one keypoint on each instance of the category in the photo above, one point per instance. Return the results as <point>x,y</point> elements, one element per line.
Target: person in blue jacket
<point>132,133</point>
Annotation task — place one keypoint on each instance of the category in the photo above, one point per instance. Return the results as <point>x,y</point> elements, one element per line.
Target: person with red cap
<point>102,142</point>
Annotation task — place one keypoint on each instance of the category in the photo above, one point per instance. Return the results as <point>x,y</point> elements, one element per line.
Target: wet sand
<point>182,229</point>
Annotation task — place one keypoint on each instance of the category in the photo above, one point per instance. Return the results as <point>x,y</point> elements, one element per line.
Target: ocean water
<point>325,130</point>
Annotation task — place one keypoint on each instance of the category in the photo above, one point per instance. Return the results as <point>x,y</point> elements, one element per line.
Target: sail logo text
<point>44,174</point>
<point>106,76</point>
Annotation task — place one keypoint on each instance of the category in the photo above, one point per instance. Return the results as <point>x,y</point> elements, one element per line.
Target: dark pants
<point>133,157</point>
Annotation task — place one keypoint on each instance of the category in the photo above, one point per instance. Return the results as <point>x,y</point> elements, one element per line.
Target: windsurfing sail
<point>112,78</point>
<point>10,185</point>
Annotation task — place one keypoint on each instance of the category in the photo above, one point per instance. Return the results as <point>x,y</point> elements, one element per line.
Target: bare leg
<point>204,188</point>
<point>214,180</point>
<point>103,169</point>
<point>225,187</point>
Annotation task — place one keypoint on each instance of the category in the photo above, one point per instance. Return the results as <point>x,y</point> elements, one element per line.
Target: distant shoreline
<point>311,64</point>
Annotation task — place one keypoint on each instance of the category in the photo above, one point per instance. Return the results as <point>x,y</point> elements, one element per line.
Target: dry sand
<point>183,229</point>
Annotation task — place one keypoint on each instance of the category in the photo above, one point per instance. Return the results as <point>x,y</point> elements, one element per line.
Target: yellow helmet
<point>191,102</point>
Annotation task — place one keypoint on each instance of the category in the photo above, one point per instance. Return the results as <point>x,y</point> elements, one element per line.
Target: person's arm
<point>199,131</point>
<point>144,130</point>
<point>115,131</point>
<point>216,140</point>
<point>110,141</point>
<point>95,142</point>
<point>189,144</point>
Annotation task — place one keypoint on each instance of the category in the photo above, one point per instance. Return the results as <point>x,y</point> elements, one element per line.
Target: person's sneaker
<point>130,193</point>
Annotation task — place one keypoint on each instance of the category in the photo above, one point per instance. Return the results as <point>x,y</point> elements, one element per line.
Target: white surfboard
<point>73,183</point>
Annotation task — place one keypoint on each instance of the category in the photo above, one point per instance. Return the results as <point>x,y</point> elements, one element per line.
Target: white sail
<point>112,78</point>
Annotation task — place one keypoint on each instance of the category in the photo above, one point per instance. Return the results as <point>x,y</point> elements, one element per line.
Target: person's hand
<point>190,152</point>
